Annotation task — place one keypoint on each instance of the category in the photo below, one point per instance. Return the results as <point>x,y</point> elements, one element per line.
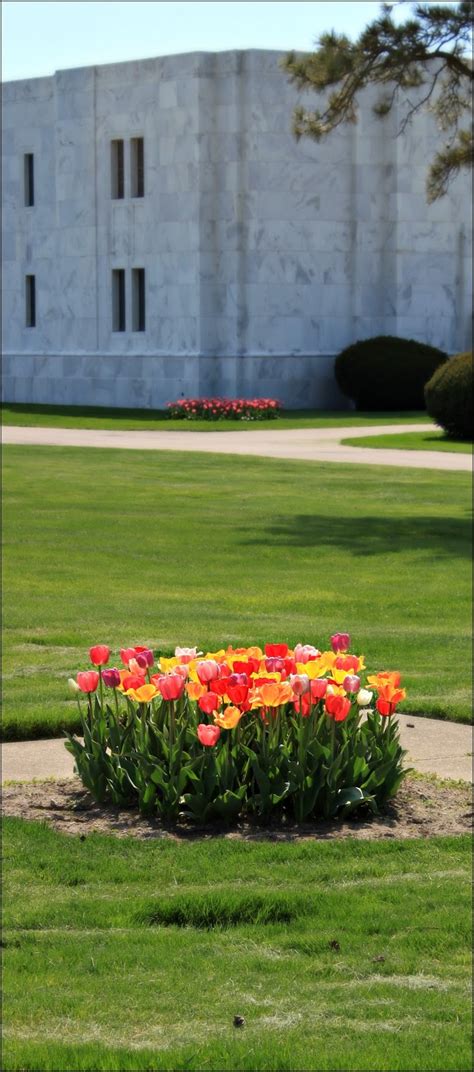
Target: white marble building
<point>180,242</point>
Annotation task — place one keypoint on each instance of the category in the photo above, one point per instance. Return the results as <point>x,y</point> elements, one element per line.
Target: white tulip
<point>364,697</point>
<point>74,687</point>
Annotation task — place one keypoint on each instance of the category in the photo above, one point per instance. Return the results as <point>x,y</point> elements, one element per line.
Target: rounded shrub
<point>387,373</point>
<point>449,396</point>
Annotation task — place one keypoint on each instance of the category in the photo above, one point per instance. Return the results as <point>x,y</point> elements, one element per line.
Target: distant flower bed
<point>215,409</point>
<point>239,732</point>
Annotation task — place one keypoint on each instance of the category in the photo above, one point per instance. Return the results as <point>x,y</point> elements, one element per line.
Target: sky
<point>39,38</point>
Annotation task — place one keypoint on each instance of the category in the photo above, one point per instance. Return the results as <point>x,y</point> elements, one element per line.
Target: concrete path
<point>306,444</point>
<point>442,748</point>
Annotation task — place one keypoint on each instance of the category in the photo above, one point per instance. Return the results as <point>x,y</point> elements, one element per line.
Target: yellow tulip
<point>144,694</point>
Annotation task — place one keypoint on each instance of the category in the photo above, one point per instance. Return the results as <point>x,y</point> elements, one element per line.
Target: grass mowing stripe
<point>358,978</point>
<point>182,549</point>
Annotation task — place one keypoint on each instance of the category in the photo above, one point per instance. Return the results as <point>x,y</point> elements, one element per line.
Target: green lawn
<point>412,441</point>
<point>123,547</point>
<point>123,955</point>
<point>95,417</point>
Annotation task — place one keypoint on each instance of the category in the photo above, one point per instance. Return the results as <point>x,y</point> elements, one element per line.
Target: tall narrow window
<point>138,299</point>
<point>118,299</point>
<point>137,163</point>
<point>117,168</point>
<point>29,174</point>
<point>30,299</point>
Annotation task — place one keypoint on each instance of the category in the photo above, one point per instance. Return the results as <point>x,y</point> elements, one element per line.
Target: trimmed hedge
<point>449,396</point>
<point>387,373</point>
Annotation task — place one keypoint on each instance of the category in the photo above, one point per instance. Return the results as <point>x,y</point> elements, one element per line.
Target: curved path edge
<point>433,747</point>
<point>303,444</point>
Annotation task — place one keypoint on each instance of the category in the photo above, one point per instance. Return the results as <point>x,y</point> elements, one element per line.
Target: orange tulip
<point>228,719</point>
<point>273,694</point>
<point>195,690</point>
<point>385,677</point>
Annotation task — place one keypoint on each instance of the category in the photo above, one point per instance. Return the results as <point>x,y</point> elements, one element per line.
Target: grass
<point>412,441</point>
<point>112,960</point>
<point>126,547</point>
<point>121,419</point>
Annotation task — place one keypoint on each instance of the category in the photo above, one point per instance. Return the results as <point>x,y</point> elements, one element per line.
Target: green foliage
<point>387,372</point>
<point>149,756</point>
<point>427,52</point>
<point>449,396</point>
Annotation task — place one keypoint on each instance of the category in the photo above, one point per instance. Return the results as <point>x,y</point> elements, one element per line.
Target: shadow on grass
<point>438,537</point>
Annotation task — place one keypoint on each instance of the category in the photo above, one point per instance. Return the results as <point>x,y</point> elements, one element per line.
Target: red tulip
<point>99,655</point>
<point>237,693</point>
<point>208,735</point>
<point>249,667</point>
<point>171,686</point>
<point>219,686</point>
<point>88,680</point>
<point>111,678</point>
<point>338,707</point>
<point>349,663</point>
<point>277,651</point>
<point>126,654</point>
<point>207,671</point>
<point>340,642</point>
<point>131,681</point>
<point>303,705</point>
<point>318,688</point>
<point>209,703</point>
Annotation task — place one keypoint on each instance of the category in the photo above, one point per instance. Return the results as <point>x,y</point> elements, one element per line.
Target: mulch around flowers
<point>422,808</point>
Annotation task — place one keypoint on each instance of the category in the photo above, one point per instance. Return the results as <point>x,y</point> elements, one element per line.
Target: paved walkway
<point>442,748</point>
<point>306,444</point>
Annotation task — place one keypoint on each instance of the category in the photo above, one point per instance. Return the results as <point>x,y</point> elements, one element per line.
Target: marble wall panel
<point>252,243</point>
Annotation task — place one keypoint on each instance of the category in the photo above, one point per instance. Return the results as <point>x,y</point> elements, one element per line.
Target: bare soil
<point>423,807</point>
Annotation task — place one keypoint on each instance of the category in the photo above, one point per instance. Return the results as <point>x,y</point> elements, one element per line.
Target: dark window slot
<point>118,299</point>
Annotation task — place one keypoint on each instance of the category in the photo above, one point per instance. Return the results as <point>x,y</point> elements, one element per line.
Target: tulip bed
<point>239,732</point>
<point>232,409</point>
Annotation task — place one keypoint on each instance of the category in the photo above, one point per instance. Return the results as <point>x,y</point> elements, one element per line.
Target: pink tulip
<point>318,688</point>
<point>305,652</point>
<point>99,655</point>
<point>186,655</point>
<point>207,671</point>
<point>88,680</point>
<point>135,668</point>
<point>171,686</point>
<point>208,735</point>
<point>340,642</point>
<point>144,658</point>
<point>237,679</point>
<point>351,683</point>
<point>111,678</point>
<point>274,664</point>
<point>299,683</point>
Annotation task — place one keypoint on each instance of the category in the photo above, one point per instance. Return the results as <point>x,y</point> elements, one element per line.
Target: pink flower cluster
<point>214,409</point>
